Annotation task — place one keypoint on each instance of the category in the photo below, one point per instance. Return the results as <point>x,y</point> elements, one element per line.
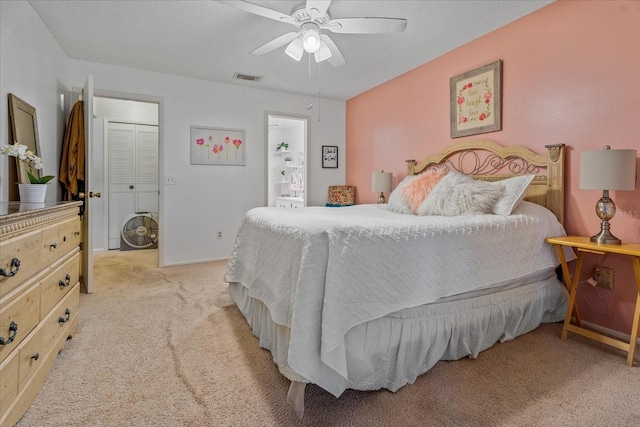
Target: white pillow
<point>397,202</point>
<point>514,193</point>
<point>458,194</point>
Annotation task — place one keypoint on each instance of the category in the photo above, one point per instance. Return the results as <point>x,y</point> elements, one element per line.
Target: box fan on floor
<point>139,231</point>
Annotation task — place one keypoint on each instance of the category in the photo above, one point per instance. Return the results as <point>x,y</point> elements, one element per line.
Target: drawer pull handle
<point>66,318</point>
<point>36,356</point>
<point>13,331</point>
<point>76,233</point>
<point>66,282</point>
<point>53,245</point>
<point>14,263</point>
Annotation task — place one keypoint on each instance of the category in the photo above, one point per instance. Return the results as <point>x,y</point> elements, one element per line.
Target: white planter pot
<point>32,193</point>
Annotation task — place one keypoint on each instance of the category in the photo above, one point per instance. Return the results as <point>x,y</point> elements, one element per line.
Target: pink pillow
<point>417,190</point>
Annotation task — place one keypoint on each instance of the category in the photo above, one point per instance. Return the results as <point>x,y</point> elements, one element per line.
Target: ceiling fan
<point>311,19</point>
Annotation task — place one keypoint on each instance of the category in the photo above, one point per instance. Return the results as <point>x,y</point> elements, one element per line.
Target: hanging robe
<point>72,159</point>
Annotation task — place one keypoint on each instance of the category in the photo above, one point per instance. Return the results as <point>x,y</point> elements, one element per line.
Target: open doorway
<point>286,161</point>
<point>126,167</point>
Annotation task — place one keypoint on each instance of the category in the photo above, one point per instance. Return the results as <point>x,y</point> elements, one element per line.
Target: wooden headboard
<point>488,161</point>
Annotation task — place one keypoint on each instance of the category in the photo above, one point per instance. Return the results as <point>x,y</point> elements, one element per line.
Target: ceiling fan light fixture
<point>311,40</point>
<point>295,50</point>
<point>323,52</point>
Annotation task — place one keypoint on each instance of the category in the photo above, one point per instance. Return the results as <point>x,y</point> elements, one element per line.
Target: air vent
<point>247,77</point>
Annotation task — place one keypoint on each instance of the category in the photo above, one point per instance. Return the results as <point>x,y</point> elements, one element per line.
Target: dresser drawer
<point>56,284</point>
<point>59,239</point>
<point>69,233</point>
<point>32,354</point>
<point>8,382</point>
<point>26,249</point>
<point>62,321</point>
<point>19,317</point>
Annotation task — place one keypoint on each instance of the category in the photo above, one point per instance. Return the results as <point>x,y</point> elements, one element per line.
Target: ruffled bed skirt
<point>394,350</point>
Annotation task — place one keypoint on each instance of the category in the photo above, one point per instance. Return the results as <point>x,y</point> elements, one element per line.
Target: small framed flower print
<point>476,101</point>
<point>217,146</point>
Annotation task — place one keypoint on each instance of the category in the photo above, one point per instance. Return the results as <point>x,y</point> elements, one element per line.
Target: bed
<point>365,297</point>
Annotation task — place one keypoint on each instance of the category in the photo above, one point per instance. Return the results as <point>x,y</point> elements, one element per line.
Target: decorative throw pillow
<point>411,192</point>
<point>457,194</point>
<point>397,203</point>
<point>341,195</point>
<point>418,189</point>
<point>514,193</point>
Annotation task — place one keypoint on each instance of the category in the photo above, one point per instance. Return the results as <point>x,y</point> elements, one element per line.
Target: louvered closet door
<point>146,168</point>
<point>133,174</point>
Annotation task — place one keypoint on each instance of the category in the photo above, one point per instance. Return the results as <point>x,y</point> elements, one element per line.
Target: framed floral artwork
<point>329,156</point>
<point>476,101</point>
<point>217,146</point>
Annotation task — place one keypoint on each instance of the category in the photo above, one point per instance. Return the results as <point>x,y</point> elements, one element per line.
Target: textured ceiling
<point>211,41</point>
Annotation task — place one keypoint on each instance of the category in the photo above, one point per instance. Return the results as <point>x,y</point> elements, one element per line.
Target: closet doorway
<point>126,150</point>
<point>287,139</point>
<point>132,173</point>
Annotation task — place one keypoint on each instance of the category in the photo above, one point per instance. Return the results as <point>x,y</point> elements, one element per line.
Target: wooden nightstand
<point>582,245</point>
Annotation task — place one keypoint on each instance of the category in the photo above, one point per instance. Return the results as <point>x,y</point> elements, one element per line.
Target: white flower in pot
<point>26,156</point>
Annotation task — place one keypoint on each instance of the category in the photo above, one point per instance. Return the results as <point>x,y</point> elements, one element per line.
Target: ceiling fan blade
<point>261,11</point>
<point>336,59</point>
<point>320,5</point>
<point>366,25</point>
<point>276,43</point>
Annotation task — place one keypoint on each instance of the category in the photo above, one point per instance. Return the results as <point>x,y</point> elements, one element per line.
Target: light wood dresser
<point>39,296</point>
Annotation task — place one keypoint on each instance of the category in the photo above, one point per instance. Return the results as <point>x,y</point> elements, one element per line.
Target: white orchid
<point>23,154</point>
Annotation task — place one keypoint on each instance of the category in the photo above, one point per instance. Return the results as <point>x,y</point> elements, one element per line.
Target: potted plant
<point>288,161</point>
<point>35,190</point>
<point>282,146</point>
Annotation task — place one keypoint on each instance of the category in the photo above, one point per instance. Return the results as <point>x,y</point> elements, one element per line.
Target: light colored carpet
<point>166,347</point>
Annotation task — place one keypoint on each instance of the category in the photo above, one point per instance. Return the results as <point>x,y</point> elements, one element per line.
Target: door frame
<point>126,96</point>
<point>306,119</point>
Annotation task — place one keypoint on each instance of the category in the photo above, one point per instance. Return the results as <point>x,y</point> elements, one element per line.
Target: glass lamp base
<point>606,209</point>
<point>381,199</point>
<point>605,237</point>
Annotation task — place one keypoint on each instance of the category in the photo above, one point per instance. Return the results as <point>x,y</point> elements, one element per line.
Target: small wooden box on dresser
<point>39,296</point>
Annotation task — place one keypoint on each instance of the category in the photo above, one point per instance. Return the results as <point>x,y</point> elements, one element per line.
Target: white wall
<point>33,67</point>
<point>207,199</point>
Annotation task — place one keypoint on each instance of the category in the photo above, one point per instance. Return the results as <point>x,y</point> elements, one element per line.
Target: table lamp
<point>607,170</point>
<point>381,181</point>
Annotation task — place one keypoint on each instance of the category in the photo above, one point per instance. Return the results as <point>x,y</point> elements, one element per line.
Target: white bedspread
<point>322,271</point>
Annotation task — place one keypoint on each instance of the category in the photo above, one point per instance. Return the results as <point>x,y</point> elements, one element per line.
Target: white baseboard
<point>198,261</point>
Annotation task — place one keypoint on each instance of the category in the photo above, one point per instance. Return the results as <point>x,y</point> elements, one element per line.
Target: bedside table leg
<point>572,294</point>
<point>567,280</point>
<point>636,316</point>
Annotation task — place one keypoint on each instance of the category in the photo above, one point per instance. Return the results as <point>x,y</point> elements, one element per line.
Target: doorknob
<point>91,195</point>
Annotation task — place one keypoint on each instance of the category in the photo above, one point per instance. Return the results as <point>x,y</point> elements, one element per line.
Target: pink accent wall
<point>571,74</point>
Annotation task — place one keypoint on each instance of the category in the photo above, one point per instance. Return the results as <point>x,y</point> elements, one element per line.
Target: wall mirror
<point>24,129</point>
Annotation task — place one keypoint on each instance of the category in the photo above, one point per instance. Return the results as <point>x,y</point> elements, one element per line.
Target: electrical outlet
<point>219,234</point>
<point>603,277</point>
